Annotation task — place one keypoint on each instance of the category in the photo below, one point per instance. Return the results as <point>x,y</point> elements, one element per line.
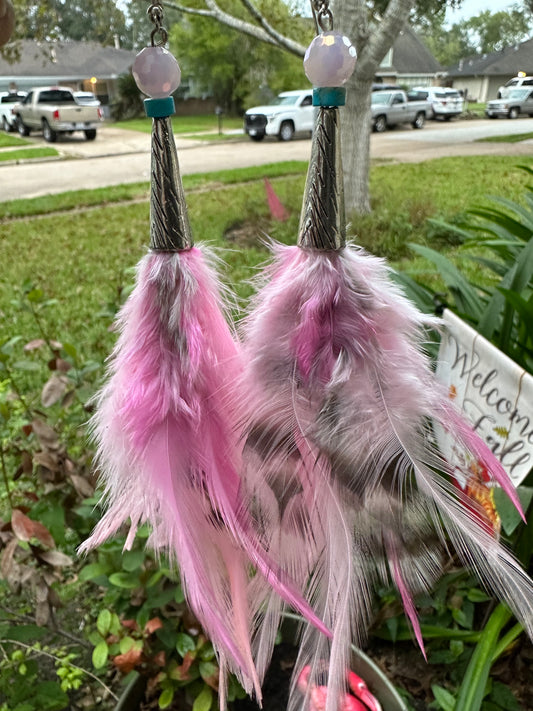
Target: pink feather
<point>340,460</point>
<point>169,452</point>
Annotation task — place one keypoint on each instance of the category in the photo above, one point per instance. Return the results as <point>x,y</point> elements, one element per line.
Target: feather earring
<point>340,459</point>
<point>165,425</point>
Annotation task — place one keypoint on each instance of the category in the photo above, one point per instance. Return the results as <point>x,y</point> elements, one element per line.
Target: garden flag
<point>493,392</point>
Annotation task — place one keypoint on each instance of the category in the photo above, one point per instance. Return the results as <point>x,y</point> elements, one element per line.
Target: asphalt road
<point>119,156</point>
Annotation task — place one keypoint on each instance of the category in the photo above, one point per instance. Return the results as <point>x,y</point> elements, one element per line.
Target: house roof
<point>411,56</point>
<point>507,62</point>
<point>67,60</point>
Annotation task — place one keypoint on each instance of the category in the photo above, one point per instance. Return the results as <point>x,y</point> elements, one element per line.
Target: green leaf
<point>510,517</point>
<point>127,581</point>
<point>166,698</point>
<point>467,299</point>
<point>184,644</point>
<point>207,653</point>
<point>29,366</point>
<point>472,690</point>
<point>50,696</point>
<point>92,571</point>
<point>125,644</point>
<point>443,697</point>
<point>35,295</point>
<point>456,647</point>
<point>208,670</point>
<point>132,560</point>
<point>70,350</point>
<point>204,700</point>
<point>100,654</point>
<point>26,633</point>
<point>392,627</point>
<point>103,623</point>
<point>477,595</point>
<point>503,696</point>
<point>115,626</point>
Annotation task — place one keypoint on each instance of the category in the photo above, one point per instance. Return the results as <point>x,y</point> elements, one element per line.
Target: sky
<point>469,8</point>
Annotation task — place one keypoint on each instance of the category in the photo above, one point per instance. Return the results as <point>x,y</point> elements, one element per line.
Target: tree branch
<point>270,37</point>
<point>281,40</point>
<point>383,37</point>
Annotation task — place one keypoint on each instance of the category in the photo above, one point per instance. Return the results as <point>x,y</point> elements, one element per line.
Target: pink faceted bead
<point>156,72</point>
<point>329,60</point>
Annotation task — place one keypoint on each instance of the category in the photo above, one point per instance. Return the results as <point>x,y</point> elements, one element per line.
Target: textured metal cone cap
<point>322,220</point>
<point>170,230</point>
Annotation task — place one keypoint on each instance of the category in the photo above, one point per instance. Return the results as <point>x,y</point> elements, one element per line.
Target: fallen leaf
<point>42,613</point>
<point>53,390</point>
<point>83,487</point>
<point>130,624</point>
<point>56,558</point>
<point>152,625</point>
<point>46,459</point>
<point>46,434</point>
<point>34,345</point>
<point>8,565</point>
<point>128,661</point>
<point>25,529</point>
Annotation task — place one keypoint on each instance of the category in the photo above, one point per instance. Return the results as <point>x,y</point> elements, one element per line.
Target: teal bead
<point>329,96</point>
<point>159,108</point>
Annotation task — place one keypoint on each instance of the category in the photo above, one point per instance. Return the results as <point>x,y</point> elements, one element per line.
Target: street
<point>120,156</point>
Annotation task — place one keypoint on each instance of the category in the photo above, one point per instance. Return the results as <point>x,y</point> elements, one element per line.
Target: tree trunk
<point>371,43</point>
<point>355,138</point>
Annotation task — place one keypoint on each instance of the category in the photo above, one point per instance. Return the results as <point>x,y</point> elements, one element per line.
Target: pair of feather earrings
<point>306,450</point>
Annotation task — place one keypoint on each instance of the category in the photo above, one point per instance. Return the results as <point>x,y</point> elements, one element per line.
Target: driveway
<point>119,156</point>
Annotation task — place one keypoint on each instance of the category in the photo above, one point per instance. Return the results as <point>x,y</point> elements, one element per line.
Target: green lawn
<point>512,138</point>
<point>9,139</point>
<point>84,259</point>
<point>183,124</point>
<point>28,153</point>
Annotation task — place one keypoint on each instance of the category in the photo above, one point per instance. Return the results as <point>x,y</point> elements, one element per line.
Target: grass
<point>27,154</point>
<point>7,140</point>
<point>513,138</point>
<point>75,199</point>
<point>475,108</point>
<point>183,124</point>
<point>215,137</point>
<point>84,261</point>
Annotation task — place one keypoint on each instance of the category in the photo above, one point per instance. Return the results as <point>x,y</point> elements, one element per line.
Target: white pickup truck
<point>291,112</point>
<point>393,107</point>
<point>8,99</point>
<point>54,110</point>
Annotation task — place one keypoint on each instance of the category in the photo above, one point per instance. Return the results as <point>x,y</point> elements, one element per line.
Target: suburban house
<point>482,74</point>
<point>409,62</point>
<point>83,66</point>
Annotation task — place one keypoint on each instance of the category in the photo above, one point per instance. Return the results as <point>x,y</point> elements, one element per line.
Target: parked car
<point>54,110</point>
<point>8,99</point>
<point>514,83</point>
<point>291,112</point>
<point>445,102</point>
<point>390,108</point>
<point>86,98</point>
<point>514,103</point>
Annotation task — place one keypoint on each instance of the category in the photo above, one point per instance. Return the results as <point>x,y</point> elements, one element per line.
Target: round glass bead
<point>156,72</point>
<point>329,60</point>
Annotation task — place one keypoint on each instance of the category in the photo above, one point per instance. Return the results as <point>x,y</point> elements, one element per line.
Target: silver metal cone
<point>170,230</point>
<point>323,220</point>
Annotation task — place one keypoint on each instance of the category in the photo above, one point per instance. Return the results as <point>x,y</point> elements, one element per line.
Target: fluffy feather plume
<point>169,452</point>
<point>343,471</point>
